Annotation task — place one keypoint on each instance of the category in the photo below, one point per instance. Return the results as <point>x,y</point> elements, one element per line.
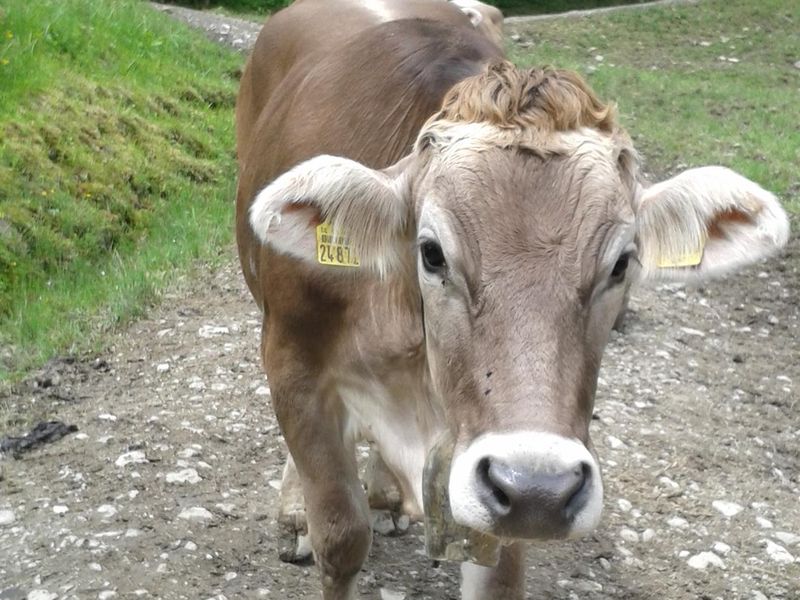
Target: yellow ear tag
<point>334,251</point>
<point>689,259</point>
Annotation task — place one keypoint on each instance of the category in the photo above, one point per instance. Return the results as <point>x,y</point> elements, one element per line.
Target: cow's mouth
<point>446,539</point>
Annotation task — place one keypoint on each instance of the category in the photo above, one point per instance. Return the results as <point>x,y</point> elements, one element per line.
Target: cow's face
<point>521,211</point>
<point>523,261</point>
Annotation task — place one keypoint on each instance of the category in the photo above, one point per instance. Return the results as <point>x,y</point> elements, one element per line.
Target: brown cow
<point>440,243</point>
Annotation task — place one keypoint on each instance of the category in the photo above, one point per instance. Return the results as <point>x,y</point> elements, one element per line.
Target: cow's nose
<point>522,499</point>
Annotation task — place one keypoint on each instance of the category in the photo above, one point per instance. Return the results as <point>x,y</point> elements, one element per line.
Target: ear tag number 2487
<point>334,250</point>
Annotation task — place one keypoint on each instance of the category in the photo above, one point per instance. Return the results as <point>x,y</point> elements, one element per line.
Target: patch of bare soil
<point>169,489</point>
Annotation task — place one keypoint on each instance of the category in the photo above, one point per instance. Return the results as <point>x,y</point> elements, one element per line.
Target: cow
<point>440,243</point>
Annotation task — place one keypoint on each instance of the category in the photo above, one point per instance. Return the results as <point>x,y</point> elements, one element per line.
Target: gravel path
<point>169,488</point>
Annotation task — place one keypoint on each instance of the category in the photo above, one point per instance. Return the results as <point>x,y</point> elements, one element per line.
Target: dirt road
<point>169,488</point>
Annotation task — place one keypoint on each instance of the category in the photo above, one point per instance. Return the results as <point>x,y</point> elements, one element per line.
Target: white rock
<point>262,390</point>
<point>387,594</point>
<point>704,560</point>
<point>648,535</point>
<point>694,332</point>
<point>226,508</point>
<point>132,533</point>
<point>778,553</point>
<point>162,367</point>
<point>106,595</point>
<point>614,442</point>
<point>668,483</point>
<point>624,505</point>
<point>207,331</point>
<point>383,524</point>
<point>721,548</point>
<point>764,523</point>
<point>60,509</point>
<point>677,522</point>
<point>183,476</point>
<point>790,539</point>
<point>230,575</point>
<point>728,509</point>
<point>131,458</point>
<point>106,511</point>
<point>196,513</point>
<point>7,517</point>
<point>629,535</point>
<point>190,546</point>
<point>97,567</point>
<point>759,596</point>
<point>41,595</point>
<point>107,417</point>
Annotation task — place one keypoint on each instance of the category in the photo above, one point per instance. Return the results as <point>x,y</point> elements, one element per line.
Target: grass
<point>712,83</point>
<point>116,167</point>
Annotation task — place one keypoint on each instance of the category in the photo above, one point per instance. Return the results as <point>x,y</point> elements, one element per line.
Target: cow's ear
<point>337,212</point>
<point>706,222</point>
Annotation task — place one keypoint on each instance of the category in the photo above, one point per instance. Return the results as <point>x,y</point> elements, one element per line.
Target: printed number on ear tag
<point>690,259</point>
<point>334,250</point>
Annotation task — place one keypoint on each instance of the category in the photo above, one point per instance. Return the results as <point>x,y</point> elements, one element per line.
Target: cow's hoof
<point>389,523</point>
<point>294,543</point>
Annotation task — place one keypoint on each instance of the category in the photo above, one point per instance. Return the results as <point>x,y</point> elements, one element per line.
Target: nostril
<point>579,495</point>
<point>497,499</point>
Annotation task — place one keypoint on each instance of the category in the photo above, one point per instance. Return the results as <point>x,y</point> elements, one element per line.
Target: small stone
<point>190,546</point>
<point>403,523</point>
<point>629,535</point>
<point>797,65</point>
<point>387,594</point>
<point>162,367</point>
<point>128,458</point>
<point>183,476</point>
<point>41,595</point>
<point>229,576</point>
<point>207,331</point>
<point>7,517</point>
<point>693,332</point>
<point>778,553</point>
<point>588,586</point>
<point>759,596</point>
<point>196,513</point>
<point>614,442</point>
<point>678,522</point>
<point>624,505</point>
<point>106,511</point>
<point>227,509</point>
<point>705,559</point>
<point>728,509</point>
<point>790,539</point>
<point>604,564</point>
<point>106,595</point>
<point>648,535</point>
<point>721,548</point>
<point>262,390</point>
<point>764,523</point>
<point>60,509</point>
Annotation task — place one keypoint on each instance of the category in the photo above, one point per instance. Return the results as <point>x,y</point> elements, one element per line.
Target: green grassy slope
<point>712,83</point>
<point>116,164</point>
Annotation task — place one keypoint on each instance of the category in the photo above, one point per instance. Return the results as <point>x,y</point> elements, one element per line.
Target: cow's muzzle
<point>526,484</point>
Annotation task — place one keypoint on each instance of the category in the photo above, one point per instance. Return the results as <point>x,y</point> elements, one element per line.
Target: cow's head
<point>522,217</point>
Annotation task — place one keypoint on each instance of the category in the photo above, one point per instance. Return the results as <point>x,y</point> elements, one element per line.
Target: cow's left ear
<point>337,212</point>
<point>706,222</point>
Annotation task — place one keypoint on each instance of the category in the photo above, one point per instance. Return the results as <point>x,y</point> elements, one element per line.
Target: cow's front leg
<point>506,580</point>
<point>336,505</point>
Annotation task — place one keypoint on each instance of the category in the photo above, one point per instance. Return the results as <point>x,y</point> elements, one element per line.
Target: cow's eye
<point>432,256</point>
<point>620,268</point>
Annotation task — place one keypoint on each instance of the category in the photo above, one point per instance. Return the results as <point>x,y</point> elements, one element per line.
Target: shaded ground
<point>697,403</point>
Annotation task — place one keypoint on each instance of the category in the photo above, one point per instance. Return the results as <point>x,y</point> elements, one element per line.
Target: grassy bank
<point>116,166</point>
<point>709,83</point>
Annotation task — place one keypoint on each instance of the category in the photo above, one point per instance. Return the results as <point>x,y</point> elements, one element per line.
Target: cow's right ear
<point>335,211</point>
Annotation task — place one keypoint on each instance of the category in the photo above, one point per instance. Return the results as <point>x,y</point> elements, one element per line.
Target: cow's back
<point>363,96</point>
